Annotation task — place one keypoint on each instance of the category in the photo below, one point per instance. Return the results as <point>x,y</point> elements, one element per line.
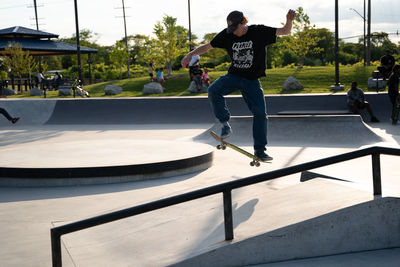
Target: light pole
<point>190,28</point>
<point>37,28</point>
<point>78,45</point>
<point>337,85</point>
<point>126,41</point>
<point>369,34</point>
<point>364,39</point>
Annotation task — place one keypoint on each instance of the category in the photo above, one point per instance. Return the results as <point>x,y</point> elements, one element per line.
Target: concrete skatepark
<point>322,217</point>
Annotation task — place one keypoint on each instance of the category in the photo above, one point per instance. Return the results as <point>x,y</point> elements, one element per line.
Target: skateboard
<point>396,112</point>
<point>223,144</point>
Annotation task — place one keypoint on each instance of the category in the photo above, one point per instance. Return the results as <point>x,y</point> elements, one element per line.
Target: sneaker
<point>262,155</point>
<point>226,131</point>
<point>374,119</point>
<point>14,120</point>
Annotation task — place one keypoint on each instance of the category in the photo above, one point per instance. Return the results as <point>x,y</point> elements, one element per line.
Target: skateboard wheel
<point>223,147</point>
<point>219,146</point>
<point>252,163</point>
<point>257,164</point>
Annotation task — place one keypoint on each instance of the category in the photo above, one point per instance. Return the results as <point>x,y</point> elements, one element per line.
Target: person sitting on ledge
<point>356,101</point>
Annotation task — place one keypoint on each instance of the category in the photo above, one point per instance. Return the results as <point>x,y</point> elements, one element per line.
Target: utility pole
<point>37,28</point>
<point>190,28</point>
<point>337,85</point>
<point>365,41</point>
<point>369,35</point>
<point>78,46</point>
<point>126,40</point>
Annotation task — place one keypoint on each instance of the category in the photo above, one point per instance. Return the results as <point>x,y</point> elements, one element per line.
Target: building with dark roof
<point>38,43</point>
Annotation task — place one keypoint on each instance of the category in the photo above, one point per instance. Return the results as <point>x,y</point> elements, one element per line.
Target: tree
<point>303,41</point>
<point>118,56</point>
<point>19,62</point>
<point>170,40</point>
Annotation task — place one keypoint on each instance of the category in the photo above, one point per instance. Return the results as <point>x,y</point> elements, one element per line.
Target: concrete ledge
<point>315,112</point>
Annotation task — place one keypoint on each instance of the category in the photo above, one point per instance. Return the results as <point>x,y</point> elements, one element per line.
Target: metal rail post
<point>228,221</point>
<point>55,248</point>
<point>376,174</point>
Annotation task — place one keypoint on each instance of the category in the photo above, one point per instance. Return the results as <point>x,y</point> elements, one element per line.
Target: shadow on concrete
<point>23,136</point>
<point>306,176</point>
<point>240,215</point>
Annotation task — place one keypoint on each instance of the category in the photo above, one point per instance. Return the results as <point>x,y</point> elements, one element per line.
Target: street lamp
<point>190,28</point>
<point>78,46</point>
<point>364,39</point>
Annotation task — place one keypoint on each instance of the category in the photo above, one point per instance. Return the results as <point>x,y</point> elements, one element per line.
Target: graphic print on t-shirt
<point>243,54</point>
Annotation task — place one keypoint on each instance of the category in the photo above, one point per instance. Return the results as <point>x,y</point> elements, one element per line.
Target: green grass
<point>314,79</point>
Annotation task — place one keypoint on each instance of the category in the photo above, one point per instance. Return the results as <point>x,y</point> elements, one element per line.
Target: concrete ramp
<point>30,111</point>
<point>305,130</point>
<point>268,224</point>
<point>367,226</point>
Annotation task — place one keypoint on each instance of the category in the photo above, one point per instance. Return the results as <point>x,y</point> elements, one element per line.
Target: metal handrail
<point>225,189</point>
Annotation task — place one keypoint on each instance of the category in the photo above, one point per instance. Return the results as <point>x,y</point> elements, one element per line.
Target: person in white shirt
<point>195,61</point>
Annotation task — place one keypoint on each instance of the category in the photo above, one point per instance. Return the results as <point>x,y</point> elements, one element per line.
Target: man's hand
<point>291,15</point>
<point>287,28</point>
<point>198,51</point>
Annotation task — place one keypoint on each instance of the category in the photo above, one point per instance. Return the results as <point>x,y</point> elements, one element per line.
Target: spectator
<point>197,77</point>
<point>160,77</point>
<point>206,78</point>
<point>387,63</point>
<point>8,116</point>
<point>57,80</point>
<point>151,71</point>
<point>195,61</point>
<point>356,101</point>
<point>393,91</point>
<point>40,79</point>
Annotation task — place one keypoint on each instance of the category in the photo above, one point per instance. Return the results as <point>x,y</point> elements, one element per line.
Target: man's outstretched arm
<point>287,28</point>
<point>198,51</point>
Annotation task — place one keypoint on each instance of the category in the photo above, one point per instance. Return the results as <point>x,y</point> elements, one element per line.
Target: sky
<point>104,17</point>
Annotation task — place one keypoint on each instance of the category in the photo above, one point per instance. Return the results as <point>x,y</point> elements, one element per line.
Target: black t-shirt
<point>387,60</point>
<point>197,72</point>
<point>248,51</point>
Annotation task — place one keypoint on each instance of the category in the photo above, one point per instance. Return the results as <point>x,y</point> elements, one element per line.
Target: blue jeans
<point>252,94</point>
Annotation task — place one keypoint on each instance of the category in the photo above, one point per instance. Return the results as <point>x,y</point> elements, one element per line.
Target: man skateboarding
<point>245,45</point>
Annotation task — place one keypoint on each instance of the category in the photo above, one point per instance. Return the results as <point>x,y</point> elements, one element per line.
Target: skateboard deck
<point>223,144</point>
<point>396,112</point>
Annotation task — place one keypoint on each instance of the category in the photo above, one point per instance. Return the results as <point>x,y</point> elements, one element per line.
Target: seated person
<point>197,77</point>
<point>387,63</point>
<point>206,78</point>
<point>356,101</point>
<point>57,80</point>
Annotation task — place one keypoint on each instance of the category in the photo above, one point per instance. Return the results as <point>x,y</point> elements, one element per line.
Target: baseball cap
<point>234,19</point>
